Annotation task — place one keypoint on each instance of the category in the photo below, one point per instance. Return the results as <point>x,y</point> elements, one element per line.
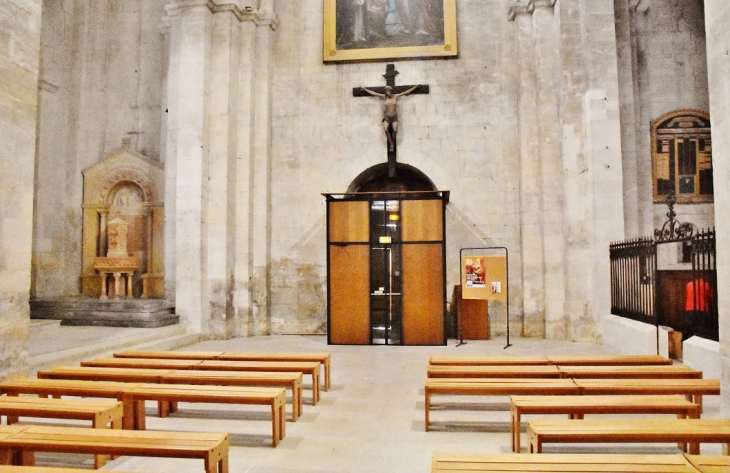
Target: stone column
<point>102,232</point>
<point>19,60</point>
<point>531,187</point>
<point>717,24</point>
<point>549,152</point>
<point>261,176</point>
<point>187,79</point>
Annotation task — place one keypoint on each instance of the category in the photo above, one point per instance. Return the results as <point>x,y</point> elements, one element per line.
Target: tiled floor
<point>370,421</point>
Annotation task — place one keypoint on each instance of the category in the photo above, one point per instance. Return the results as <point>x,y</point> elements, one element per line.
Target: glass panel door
<point>385,273</point>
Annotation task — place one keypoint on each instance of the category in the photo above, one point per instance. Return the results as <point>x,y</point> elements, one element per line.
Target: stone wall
<point>101,81</point>
<point>19,61</point>
<point>663,69</point>
<point>717,14</point>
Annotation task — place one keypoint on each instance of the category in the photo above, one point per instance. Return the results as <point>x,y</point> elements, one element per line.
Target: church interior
<point>481,178</point>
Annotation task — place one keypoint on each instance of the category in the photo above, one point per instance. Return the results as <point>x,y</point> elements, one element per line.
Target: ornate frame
<point>331,53</point>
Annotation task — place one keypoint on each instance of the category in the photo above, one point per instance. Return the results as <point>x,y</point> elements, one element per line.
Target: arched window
<point>681,153</point>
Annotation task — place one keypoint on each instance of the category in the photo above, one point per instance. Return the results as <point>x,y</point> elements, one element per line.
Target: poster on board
<point>484,277</point>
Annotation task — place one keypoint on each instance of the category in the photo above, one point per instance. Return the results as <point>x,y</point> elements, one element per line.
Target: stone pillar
<point>261,176</point>
<point>218,161</point>
<point>549,152</point>
<point>717,24</point>
<point>531,187</point>
<point>19,60</point>
<point>190,53</point>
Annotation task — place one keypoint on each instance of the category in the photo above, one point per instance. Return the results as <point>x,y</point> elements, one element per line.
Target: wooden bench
<point>553,462</point>
<point>42,469</point>
<point>134,398</point>
<point>494,387</point>
<point>544,371</point>
<point>595,360</point>
<point>323,358</point>
<point>577,406</point>
<point>292,381</point>
<point>690,431</point>
<point>309,368</point>
<point>21,446</point>
<point>100,413</point>
<point>692,389</point>
<point>710,463</point>
<point>64,387</point>
<point>633,371</point>
<point>608,360</point>
<point>487,360</point>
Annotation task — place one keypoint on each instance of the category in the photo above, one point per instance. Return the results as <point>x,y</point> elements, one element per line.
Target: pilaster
<point>549,152</point>
<point>530,183</point>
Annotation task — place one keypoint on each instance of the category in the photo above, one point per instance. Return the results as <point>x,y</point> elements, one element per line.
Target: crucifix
<point>390,94</point>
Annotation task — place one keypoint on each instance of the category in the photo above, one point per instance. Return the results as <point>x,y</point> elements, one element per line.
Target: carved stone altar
<point>117,261</point>
<point>125,186</point>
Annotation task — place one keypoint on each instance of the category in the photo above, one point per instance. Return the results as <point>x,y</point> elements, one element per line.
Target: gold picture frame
<point>379,30</point>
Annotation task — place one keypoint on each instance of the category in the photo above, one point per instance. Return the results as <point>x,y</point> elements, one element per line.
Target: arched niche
<point>129,186</point>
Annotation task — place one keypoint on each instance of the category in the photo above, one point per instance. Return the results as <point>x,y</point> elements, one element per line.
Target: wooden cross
<point>389,76</point>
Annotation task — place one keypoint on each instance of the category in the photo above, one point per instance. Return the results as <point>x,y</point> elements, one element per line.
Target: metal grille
<point>633,278</point>
<point>704,272</point>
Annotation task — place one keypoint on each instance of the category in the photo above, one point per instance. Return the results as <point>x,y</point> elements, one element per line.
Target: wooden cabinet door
<point>423,294</point>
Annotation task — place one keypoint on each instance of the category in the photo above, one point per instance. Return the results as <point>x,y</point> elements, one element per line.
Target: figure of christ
<point>390,111</point>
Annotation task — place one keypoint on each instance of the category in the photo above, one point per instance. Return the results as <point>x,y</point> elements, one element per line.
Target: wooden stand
<point>472,316</point>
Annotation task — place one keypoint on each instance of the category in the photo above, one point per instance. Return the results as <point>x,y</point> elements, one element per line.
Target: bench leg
<point>516,431</point>
<point>140,417</point>
<point>694,448</point>
<point>6,456</point>
<point>12,419</point>
<point>326,376</point>
<point>296,401</point>
<point>427,403</point>
<point>217,464</point>
<point>27,458</point>
<point>315,387</point>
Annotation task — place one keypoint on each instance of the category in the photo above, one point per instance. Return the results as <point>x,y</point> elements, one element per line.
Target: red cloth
<point>704,295</point>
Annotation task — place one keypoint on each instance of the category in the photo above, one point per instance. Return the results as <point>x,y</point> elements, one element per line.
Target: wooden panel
<point>423,294</point>
<point>670,297</point>
<point>349,294</point>
<point>348,221</point>
<point>422,220</point>
<point>473,316</point>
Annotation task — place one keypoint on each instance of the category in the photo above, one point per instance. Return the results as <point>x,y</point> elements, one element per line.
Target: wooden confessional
<point>386,268</point>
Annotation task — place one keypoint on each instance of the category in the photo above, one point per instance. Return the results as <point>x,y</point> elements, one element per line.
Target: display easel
<point>482,271</point>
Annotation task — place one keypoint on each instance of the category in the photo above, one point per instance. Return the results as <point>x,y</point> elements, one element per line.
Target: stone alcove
<point>125,185</point>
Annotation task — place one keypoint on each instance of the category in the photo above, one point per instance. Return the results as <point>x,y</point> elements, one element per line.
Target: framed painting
<point>373,30</point>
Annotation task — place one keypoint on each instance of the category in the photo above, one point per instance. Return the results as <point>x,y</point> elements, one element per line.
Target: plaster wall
<point>20,27</point>
<point>101,76</point>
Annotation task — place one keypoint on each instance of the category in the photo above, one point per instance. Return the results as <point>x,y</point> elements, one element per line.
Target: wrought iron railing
<point>633,279</point>
<point>704,275</point>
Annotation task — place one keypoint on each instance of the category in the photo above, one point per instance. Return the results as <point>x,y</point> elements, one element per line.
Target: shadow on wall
<point>461,232</point>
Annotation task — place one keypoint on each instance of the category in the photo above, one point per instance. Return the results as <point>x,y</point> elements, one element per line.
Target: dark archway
<point>407,178</point>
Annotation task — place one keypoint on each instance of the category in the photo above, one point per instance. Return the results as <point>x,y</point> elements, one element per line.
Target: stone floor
<point>371,420</point>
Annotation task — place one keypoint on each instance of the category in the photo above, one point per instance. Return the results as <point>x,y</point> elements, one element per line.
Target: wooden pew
<point>133,399</point>
<point>323,358</point>
<point>691,431</point>
<point>289,380</point>
<point>577,406</point>
<point>693,389</point>
<point>211,447</point>
<point>545,371</point>
<point>553,462</point>
<point>63,387</point>
<point>632,371</point>
<point>309,368</point>
<point>494,387</point>
<point>710,463</point>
